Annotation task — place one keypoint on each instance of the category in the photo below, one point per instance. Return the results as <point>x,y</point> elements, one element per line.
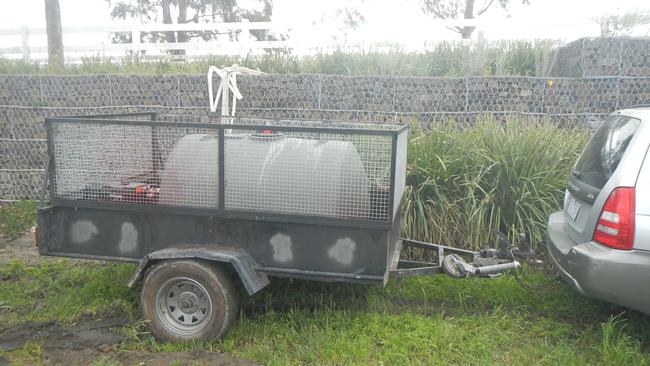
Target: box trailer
<point>204,204</point>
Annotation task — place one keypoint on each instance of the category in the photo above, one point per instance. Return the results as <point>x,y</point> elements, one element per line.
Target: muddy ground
<point>89,338</point>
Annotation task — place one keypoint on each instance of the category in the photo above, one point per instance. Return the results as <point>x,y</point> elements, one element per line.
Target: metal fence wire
<point>591,78</point>
<point>566,101</point>
<point>279,166</point>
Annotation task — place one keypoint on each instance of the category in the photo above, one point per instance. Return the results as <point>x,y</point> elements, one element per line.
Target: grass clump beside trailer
<point>16,218</point>
<point>463,182</point>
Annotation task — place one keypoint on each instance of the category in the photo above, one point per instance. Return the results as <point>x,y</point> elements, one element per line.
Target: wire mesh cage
<point>292,167</point>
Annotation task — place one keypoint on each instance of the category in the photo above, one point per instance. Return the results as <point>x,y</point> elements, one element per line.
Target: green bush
<point>464,182</point>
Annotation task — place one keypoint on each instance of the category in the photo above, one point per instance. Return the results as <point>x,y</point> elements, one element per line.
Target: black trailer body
<point>203,203</point>
<point>301,199</point>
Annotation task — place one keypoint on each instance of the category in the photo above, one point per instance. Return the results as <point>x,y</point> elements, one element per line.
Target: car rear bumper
<point>616,276</point>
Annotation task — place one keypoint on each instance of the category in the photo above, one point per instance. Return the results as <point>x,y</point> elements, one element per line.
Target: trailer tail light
<point>615,226</point>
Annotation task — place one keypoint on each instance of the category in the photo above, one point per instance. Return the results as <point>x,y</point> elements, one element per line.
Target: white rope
<point>228,84</point>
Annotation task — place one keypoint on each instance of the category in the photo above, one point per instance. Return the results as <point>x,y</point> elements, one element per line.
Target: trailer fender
<point>242,262</point>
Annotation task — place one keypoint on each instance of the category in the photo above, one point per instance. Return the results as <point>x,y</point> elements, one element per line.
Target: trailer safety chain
<point>539,266</point>
<point>530,259</point>
<point>520,258</point>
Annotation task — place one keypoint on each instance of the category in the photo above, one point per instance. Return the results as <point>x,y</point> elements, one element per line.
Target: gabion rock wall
<point>26,100</point>
<point>589,57</point>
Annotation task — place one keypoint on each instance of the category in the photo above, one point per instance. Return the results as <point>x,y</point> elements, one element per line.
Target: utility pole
<point>55,56</point>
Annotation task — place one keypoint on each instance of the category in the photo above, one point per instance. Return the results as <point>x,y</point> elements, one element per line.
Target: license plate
<point>573,207</point>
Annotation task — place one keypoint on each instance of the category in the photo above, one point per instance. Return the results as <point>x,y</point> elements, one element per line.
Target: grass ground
<point>425,320</point>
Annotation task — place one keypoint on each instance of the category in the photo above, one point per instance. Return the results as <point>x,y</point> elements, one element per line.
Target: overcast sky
<point>386,20</point>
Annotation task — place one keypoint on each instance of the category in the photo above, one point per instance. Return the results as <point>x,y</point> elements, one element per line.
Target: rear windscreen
<point>605,150</point>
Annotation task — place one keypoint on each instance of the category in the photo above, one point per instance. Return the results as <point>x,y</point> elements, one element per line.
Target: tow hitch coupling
<point>455,266</point>
<point>456,262</point>
<point>490,262</point>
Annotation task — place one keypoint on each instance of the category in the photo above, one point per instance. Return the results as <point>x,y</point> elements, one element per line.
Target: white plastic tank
<point>271,173</point>
<point>190,175</point>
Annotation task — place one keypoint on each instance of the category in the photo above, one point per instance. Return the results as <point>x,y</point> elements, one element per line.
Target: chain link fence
<point>577,100</point>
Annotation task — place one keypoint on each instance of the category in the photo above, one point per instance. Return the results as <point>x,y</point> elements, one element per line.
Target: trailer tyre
<point>189,300</point>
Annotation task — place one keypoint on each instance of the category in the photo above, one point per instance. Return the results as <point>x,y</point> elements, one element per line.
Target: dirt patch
<point>90,339</point>
<point>21,249</point>
<point>87,356</point>
<point>84,333</point>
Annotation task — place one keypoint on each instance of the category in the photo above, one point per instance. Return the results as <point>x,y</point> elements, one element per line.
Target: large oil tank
<point>271,173</point>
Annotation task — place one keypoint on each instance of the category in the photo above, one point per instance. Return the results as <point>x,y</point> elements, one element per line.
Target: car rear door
<point>609,160</point>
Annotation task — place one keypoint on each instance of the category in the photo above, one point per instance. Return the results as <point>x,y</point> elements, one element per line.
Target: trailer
<point>207,204</point>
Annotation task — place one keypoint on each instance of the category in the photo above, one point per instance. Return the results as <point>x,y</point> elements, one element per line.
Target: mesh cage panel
<point>276,166</point>
<point>325,174</point>
<point>188,164</point>
<point>135,163</point>
<point>89,157</point>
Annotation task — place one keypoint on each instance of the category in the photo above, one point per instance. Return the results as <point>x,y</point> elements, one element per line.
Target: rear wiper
<point>575,173</point>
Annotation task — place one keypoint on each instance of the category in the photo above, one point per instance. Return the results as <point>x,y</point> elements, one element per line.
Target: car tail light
<point>615,226</point>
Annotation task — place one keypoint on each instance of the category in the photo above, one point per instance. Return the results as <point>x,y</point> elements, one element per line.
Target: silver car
<point>600,241</point>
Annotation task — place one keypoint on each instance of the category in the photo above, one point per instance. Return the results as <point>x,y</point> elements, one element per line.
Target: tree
<point>191,11</point>
<point>464,9</point>
<point>342,20</point>
<point>626,24</point>
<point>55,56</point>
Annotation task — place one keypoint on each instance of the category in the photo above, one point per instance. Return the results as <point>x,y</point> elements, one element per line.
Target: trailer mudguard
<point>242,262</point>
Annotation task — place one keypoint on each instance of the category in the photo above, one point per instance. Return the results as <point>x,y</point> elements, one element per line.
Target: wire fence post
<point>24,42</point>
<point>135,43</point>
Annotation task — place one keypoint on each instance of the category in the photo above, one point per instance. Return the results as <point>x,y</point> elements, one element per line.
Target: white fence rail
<point>29,43</point>
<point>25,50</point>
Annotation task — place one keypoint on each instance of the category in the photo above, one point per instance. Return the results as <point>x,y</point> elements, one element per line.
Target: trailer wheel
<point>188,300</point>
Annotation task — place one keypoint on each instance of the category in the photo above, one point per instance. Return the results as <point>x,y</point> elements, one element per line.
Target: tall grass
<point>618,347</point>
<point>463,183</point>
<point>441,59</point>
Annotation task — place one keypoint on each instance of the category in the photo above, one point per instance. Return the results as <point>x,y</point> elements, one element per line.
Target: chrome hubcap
<point>183,306</point>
